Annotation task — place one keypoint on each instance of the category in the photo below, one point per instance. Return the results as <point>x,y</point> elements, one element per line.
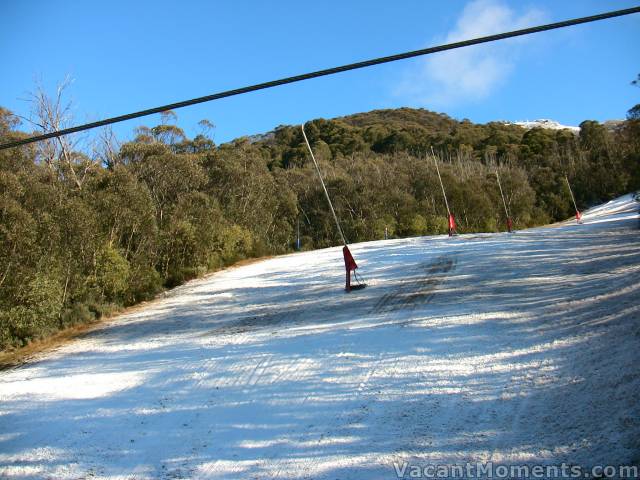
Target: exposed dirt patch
<point>416,291</point>
<point>255,322</point>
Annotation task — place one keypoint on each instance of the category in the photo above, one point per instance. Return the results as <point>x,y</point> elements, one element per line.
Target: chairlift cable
<point>322,73</point>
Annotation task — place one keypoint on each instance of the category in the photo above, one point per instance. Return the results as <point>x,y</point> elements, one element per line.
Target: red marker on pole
<point>452,224</point>
<point>349,263</point>
<point>450,218</point>
<point>578,214</point>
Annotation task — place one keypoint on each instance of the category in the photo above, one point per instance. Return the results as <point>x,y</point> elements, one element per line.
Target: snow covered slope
<point>545,123</point>
<point>512,349</point>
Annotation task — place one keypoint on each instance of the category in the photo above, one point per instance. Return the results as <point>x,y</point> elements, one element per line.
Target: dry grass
<point>16,357</point>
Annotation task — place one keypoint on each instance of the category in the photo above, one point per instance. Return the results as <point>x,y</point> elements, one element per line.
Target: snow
<point>512,348</point>
<point>545,123</point>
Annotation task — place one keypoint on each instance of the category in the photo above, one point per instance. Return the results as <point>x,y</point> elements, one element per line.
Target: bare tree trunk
<point>50,115</point>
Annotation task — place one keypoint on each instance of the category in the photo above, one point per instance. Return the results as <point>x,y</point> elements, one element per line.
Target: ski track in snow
<point>516,349</point>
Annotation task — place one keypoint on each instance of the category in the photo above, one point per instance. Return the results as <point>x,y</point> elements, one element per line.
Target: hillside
<point>508,348</point>
<point>84,233</point>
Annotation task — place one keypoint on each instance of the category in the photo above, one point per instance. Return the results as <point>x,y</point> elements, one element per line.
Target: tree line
<point>84,232</point>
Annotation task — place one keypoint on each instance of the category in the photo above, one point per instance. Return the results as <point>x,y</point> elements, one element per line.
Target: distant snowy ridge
<point>544,123</point>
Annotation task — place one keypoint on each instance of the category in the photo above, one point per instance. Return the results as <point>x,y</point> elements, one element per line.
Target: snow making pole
<point>506,210</point>
<point>450,218</point>
<point>578,214</point>
<point>326,193</point>
<point>349,263</point>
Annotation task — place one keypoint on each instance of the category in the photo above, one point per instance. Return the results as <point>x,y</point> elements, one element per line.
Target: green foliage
<point>36,311</point>
<point>79,313</point>
<point>112,273</point>
<point>634,112</point>
<point>236,243</point>
<point>165,208</point>
<point>144,282</point>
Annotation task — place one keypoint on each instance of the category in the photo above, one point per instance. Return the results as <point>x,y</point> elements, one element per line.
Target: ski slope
<point>508,348</point>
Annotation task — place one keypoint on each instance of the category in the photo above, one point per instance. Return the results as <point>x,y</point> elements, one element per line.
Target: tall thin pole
<point>326,193</point>
<point>571,193</point>
<point>506,210</point>
<point>441,184</point>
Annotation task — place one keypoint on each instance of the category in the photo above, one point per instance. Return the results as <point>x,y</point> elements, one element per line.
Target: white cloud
<point>471,73</point>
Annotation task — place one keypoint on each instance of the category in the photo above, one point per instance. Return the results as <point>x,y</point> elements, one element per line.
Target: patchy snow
<point>511,348</point>
<point>544,123</point>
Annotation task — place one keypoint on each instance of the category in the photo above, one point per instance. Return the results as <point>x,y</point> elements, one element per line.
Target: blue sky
<point>126,56</point>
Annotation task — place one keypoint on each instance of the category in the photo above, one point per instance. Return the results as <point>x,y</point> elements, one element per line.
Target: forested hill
<point>84,233</point>
<point>409,130</point>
